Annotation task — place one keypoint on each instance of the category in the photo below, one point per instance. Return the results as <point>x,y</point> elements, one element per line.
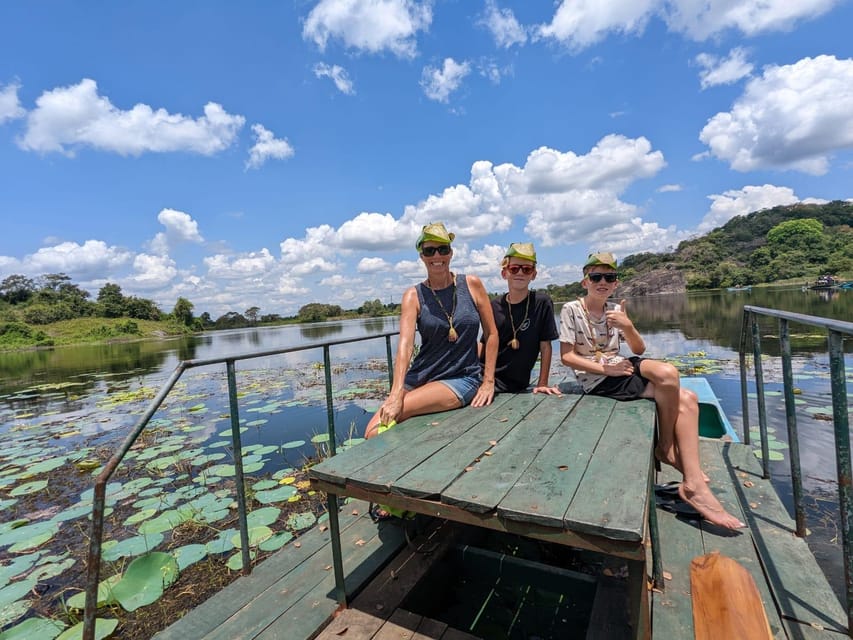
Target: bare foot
<point>670,459</point>
<point>706,503</point>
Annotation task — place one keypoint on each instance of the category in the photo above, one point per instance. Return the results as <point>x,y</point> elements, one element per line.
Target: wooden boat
<point>743,288</point>
<point>440,579</point>
<point>825,282</point>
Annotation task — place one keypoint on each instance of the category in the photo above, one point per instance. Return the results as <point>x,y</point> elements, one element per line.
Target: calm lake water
<point>87,398</point>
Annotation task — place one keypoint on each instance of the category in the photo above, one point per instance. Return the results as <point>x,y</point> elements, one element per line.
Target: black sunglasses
<point>608,277</point>
<point>526,269</point>
<point>442,250</point>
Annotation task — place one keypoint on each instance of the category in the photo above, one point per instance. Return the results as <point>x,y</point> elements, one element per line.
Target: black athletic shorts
<point>623,387</point>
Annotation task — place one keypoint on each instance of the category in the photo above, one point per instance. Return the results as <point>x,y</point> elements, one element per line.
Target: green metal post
<point>759,388</point>
<point>791,418</point>
<point>744,396</point>
<point>842,456</point>
<point>238,466</point>
<point>390,360</point>
<point>330,405</point>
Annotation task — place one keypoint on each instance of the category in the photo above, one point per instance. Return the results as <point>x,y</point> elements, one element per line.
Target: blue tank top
<point>438,358</point>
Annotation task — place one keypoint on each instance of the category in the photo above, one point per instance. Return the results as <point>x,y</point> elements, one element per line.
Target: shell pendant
<point>513,344</point>
<point>452,335</point>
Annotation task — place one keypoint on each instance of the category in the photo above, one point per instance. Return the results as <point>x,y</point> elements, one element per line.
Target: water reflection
<point>320,331</point>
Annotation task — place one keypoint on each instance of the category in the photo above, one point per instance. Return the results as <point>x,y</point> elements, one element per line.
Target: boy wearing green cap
<point>525,322</point>
<point>591,331</point>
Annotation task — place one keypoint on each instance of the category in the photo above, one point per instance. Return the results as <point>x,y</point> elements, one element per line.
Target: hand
<point>621,368</point>
<point>390,410</point>
<point>619,319</point>
<point>485,395</point>
<point>551,391</point>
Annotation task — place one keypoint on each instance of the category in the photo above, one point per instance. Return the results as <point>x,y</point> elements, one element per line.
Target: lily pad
<point>104,628</point>
<point>145,579</point>
<point>263,516</point>
<point>105,594</point>
<point>275,495</point>
<point>300,521</point>
<point>293,444</point>
<point>28,487</point>
<point>276,541</point>
<point>34,629</point>
<point>256,536</point>
<point>135,546</point>
<point>235,562</point>
<point>189,554</point>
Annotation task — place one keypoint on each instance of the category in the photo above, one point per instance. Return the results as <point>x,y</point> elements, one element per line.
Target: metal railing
<point>99,498</point>
<point>836,331</point>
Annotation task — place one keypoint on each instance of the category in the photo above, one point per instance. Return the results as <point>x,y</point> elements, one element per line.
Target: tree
<point>16,289</point>
<point>111,301</point>
<point>317,312</point>
<point>804,235</point>
<point>183,312</point>
<point>252,314</point>
<point>141,308</point>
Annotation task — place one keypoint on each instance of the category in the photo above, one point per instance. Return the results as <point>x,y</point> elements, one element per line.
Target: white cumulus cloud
<point>249,265</point>
<point>716,70</point>
<point>10,105</point>
<point>152,272</point>
<point>336,74</point>
<point>372,265</point>
<point>371,26</point>
<point>438,84</point>
<point>791,117</point>
<point>92,259</point>
<point>503,25</point>
<point>70,117</point>
<point>738,202</point>
<point>180,227</point>
<point>267,146</point>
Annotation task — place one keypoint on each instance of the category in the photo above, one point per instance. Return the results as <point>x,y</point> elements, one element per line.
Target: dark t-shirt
<point>512,373</point>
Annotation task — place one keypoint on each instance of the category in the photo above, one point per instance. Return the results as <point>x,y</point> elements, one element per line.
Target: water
<point>86,399</point>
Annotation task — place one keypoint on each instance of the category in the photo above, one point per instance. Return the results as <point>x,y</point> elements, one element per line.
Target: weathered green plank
<point>216,610</point>
<point>449,463</point>
<point>441,430</point>
<point>800,588</point>
<point>509,458</point>
<point>613,492</point>
<point>338,468</point>
<point>305,596</point>
<point>736,545</point>
<point>304,617</point>
<point>672,610</point>
<point>544,491</point>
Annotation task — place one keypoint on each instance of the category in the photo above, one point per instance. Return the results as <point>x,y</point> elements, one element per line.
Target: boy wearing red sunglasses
<point>525,323</point>
<point>591,331</point>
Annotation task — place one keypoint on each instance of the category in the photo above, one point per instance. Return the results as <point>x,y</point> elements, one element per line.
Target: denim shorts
<point>464,388</point>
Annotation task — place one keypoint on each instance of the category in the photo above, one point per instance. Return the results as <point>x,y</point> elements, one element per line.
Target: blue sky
<point>275,154</point>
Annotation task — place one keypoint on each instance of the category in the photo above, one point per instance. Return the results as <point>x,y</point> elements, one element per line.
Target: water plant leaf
<point>771,455</point>
<point>256,536</point>
<point>221,543</point>
<point>164,522</point>
<point>299,521</point>
<point>12,611</point>
<point>135,546</point>
<point>293,444</point>
<point>320,438</point>
<point>46,465</point>
<point>139,516</point>
<point>104,628</point>
<point>264,484</point>
<point>28,487</point>
<point>105,594</point>
<point>34,629</point>
<point>276,541</point>
<point>235,562</point>
<point>189,554</point>
<point>275,495</point>
<point>28,532</point>
<point>15,591</point>
<point>145,579</point>
<point>265,515</point>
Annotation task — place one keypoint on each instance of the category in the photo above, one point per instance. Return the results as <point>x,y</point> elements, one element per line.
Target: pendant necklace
<point>514,344</point>
<point>451,335</point>
<point>599,346</point>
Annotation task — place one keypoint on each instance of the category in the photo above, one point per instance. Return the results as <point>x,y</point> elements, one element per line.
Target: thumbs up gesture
<point>619,319</point>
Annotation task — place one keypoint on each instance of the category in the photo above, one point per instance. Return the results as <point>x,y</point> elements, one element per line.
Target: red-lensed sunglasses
<point>526,269</point>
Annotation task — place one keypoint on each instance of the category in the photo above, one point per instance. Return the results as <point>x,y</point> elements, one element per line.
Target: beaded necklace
<point>514,344</point>
<point>451,335</point>
<point>599,346</point>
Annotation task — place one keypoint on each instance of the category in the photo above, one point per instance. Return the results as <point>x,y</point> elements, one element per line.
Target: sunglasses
<point>526,269</point>
<point>608,277</point>
<point>429,252</point>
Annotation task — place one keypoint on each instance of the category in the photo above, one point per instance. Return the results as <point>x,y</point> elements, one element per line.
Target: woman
<point>448,310</point>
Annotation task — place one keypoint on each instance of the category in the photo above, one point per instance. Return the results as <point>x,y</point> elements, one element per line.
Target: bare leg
<point>678,443</point>
<point>430,398</point>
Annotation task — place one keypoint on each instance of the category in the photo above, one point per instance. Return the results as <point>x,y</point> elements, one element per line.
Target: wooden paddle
<point>726,602</point>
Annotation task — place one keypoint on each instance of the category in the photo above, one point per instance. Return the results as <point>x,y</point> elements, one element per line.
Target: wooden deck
<point>292,594</point>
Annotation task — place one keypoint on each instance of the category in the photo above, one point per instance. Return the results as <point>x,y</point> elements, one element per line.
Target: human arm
<point>393,405</point>
<point>545,352</point>
<point>571,358</point>
<point>486,393</point>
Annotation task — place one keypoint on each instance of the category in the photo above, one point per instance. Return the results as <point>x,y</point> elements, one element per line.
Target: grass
<point>93,330</point>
